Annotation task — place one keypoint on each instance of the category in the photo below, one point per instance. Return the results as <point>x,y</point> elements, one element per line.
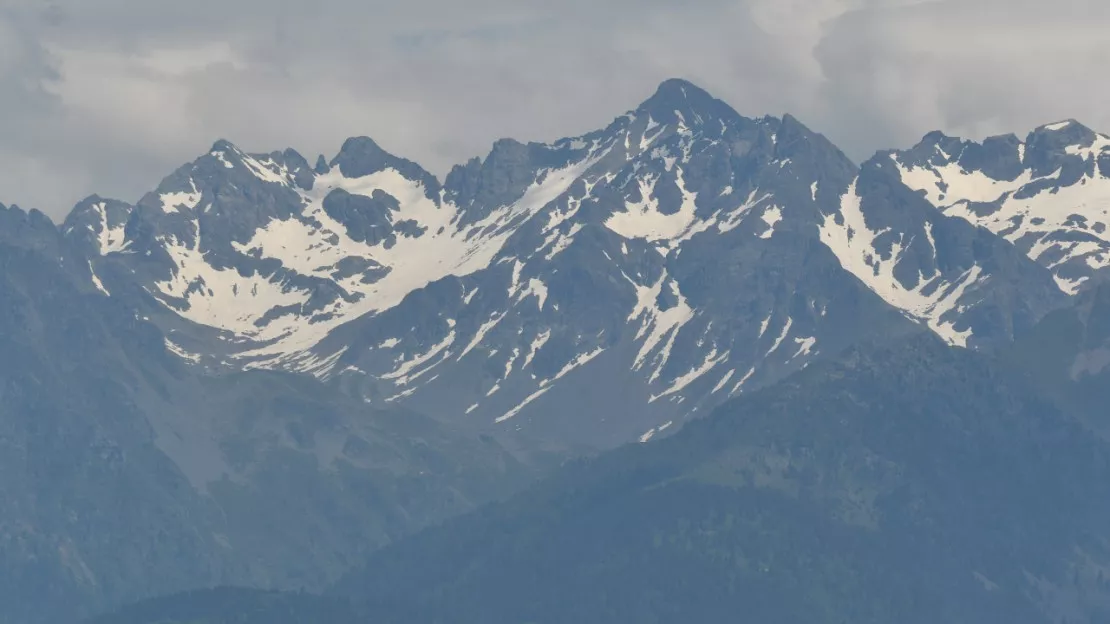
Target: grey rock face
<point>1049,195</point>
<point>971,287</point>
<point>98,225</point>
<point>361,156</point>
<point>688,259</point>
<point>681,255</point>
<point>585,293</point>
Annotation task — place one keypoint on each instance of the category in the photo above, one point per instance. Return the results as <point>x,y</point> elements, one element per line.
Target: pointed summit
<point>223,145</point>
<point>676,99</point>
<point>676,90</point>
<point>97,224</point>
<point>362,156</point>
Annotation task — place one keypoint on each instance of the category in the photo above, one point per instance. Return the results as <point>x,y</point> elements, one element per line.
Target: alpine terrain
<point>1049,195</point>
<point>269,367</point>
<point>656,267</point>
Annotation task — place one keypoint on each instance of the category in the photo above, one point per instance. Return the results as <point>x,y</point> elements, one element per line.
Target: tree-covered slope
<point>1067,355</point>
<point>237,606</point>
<point>913,484</point>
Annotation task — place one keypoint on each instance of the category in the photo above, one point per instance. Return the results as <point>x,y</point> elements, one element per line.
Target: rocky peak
<point>680,101</point>
<point>1058,147</point>
<point>97,225</point>
<point>26,228</point>
<point>696,251</point>
<point>362,156</point>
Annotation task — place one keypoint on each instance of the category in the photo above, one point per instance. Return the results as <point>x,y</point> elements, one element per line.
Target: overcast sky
<point>109,96</point>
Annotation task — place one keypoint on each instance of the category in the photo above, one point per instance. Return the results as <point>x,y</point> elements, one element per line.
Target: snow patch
<point>404,374</point>
<point>579,360</point>
<point>516,410</point>
<point>538,289</point>
<point>782,336</point>
<point>1040,224</point>
<point>929,302</point>
<point>644,220</point>
<point>724,380</point>
<point>109,239</point>
<point>771,216</point>
<point>805,345</point>
<point>657,325</point>
<point>536,345</point>
<point>735,217</point>
<point>948,183</point>
<point>173,202</point>
<point>712,359</point>
<point>740,384</point>
<point>481,333</point>
<point>176,349</point>
<point>96,280</point>
<point>313,244</point>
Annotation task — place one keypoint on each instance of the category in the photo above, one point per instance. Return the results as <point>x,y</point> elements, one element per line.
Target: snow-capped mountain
<point>1049,194</point>
<point>116,452</point>
<point>969,286</point>
<point>594,289</point>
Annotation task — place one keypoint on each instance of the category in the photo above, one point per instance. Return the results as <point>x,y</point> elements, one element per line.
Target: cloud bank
<point>108,96</point>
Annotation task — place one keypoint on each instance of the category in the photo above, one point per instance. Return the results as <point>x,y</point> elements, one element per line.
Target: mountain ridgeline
<point>265,370</point>
<point>677,257</point>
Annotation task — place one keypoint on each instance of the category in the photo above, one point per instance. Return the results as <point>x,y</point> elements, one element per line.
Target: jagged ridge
<point>682,254</point>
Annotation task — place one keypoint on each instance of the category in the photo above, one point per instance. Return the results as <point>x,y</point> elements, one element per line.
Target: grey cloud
<point>113,94</point>
<point>971,68</point>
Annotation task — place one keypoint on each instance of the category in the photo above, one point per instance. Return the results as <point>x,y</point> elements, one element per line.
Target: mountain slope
<point>682,255</point>
<point>914,484</point>
<point>1066,355</point>
<point>123,474</point>
<point>1049,194</point>
<point>238,606</point>
<point>970,287</point>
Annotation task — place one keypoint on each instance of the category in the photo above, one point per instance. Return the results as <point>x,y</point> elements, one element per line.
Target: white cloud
<point>110,95</point>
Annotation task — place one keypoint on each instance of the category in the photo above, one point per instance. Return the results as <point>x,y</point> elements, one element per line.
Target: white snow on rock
<point>96,281</point>
<point>109,239</point>
<point>313,244</point>
<point>712,359</point>
<point>218,297</point>
<point>950,183</point>
<point>516,410</point>
<point>644,220</point>
<point>657,325</point>
<point>174,201</point>
<point>1043,223</point>
<point>411,369</point>
<point>771,216</point>
<point>930,301</point>
<point>536,345</point>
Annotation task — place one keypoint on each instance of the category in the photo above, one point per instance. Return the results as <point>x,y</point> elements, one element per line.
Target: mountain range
<point>682,254</point>
<point>347,351</point>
